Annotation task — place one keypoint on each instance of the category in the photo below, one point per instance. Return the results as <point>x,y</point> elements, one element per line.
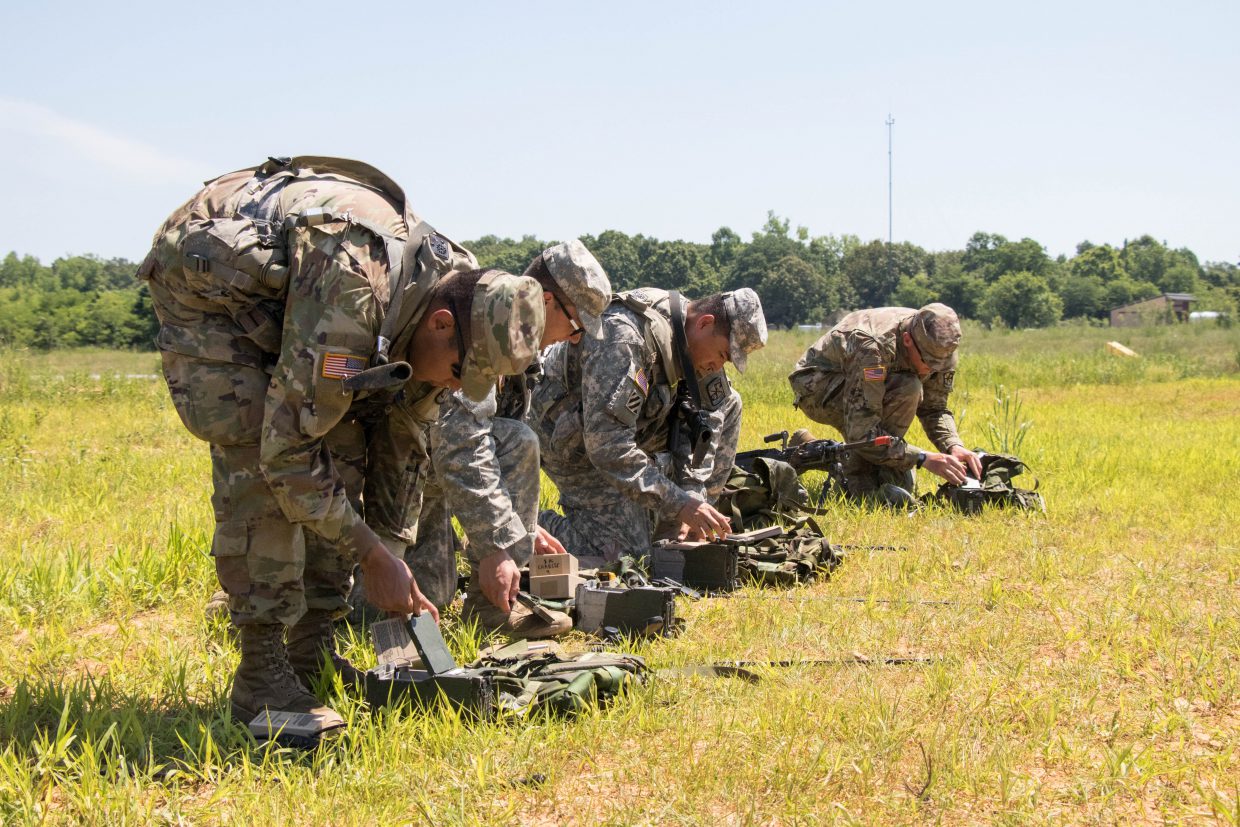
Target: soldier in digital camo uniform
<point>601,415</point>
<point>486,466</point>
<point>869,376</point>
<point>308,324</point>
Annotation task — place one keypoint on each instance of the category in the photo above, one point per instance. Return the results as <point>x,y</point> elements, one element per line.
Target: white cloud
<point>96,145</point>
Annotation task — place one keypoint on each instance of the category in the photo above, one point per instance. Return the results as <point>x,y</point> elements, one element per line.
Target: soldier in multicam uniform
<point>601,413</point>
<point>308,324</point>
<point>869,376</point>
<point>486,466</point>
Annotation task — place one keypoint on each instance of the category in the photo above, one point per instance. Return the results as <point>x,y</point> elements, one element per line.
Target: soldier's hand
<point>971,460</point>
<point>703,520</point>
<point>390,585</point>
<point>546,543</point>
<point>946,466</point>
<point>500,580</point>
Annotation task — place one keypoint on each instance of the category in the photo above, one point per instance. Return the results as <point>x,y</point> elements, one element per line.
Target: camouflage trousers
<point>901,396</point>
<point>599,521</point>
<point>272,570</point>
<point>432,558</point>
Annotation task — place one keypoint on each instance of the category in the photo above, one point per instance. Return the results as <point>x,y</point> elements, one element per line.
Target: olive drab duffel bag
<point>774,556</point>
<point>994,488</point>
<point>415,668</point>
<point>769,494</point>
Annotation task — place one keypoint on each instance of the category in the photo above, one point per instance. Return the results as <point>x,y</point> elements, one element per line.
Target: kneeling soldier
<point>869,376</point>
<point>603,410</point>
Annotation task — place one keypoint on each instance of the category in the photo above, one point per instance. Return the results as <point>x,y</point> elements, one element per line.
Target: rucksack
<point>994,488</point>
<point>767,495</point>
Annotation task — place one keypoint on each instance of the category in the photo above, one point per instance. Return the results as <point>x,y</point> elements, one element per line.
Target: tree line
<point>86,300</point>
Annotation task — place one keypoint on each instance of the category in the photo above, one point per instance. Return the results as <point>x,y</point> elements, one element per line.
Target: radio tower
<point>890,123</point>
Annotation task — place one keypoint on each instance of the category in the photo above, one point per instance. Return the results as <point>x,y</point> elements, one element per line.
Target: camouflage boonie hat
<point>747,325</point>
<point>583,280</point>
<point>936,332</point>
<point>506,330</point>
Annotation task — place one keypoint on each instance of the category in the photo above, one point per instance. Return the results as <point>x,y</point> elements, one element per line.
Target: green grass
<point>1087,668</point>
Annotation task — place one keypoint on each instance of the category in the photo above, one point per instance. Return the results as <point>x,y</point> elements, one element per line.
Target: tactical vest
<point>656,327</point>
<point>237,264</point>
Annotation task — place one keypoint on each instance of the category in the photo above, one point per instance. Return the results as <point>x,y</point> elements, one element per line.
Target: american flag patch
<point>875,374</point>
<point>342,365</point>
<point>642,382</point>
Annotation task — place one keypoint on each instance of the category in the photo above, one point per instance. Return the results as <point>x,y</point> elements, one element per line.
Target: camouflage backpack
<point>764,496</point>
<point>796,556</point>
<point>994,488</point>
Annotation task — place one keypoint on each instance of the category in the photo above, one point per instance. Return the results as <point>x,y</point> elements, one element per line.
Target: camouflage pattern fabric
<point>858,379</point>
<point>601,416</point>
<point>268,298</point>
<point>486,475</point>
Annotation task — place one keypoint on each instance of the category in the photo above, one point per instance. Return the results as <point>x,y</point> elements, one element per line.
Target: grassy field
<point>1086,663</point>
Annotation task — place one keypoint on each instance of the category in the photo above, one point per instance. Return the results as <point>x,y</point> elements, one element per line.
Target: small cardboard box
<point>542,565</point>
<point>555,586</point>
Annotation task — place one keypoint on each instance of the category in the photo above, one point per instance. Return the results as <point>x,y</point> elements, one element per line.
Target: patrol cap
<point>936,332</point>
<point>577,272</point>
<point>747,325</point>
<point>506,330</point>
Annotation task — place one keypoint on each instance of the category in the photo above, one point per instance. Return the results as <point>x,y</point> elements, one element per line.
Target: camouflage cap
<point>747,325</point>
<point>936,332</point>
<point>583,280</point>
<point>506,330</point>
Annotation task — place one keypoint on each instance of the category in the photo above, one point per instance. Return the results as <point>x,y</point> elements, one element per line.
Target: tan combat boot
<point>520,623</point>
<point>265,680</point>
<point>312,641</point>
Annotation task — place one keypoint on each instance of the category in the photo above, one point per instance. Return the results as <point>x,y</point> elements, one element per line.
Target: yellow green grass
<point>1088,662</point>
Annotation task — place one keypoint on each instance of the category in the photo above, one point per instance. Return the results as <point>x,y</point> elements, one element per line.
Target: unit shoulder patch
<point>949,380</point>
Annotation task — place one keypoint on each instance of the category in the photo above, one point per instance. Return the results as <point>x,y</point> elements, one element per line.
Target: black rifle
<point>689,435</point>
<point>815,455</point>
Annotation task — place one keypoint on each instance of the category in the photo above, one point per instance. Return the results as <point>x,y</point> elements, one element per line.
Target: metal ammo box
<point>710,567</point>
<point>639,610</point>
<point>415,667</point>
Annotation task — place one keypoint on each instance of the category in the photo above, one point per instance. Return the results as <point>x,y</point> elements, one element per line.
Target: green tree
<point>792,292</point>
<point>874,270</point>
<point>1022,300</point>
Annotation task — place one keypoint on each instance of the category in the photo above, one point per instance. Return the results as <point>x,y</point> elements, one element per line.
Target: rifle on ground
<point>815,455</point>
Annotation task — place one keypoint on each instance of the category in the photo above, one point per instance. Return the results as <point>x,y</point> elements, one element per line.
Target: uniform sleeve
<point>936,419</point>
<point>330,324</point>
<point>613,372</point>
<point>463,449</point>
<point>865,385</point>
<point>397,462</point>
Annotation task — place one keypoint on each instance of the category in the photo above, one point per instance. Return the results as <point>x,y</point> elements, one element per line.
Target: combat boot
<point>520,623</point>
<point>312,640</point>
<point>265,680</point>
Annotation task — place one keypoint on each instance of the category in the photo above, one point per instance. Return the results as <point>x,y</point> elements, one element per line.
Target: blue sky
<point>1057,121</point>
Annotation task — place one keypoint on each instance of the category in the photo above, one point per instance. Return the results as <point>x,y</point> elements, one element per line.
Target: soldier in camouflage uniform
<point>309,322</point>
<point>486,466</point>
<point>601,413</point>
<point>869,376</point>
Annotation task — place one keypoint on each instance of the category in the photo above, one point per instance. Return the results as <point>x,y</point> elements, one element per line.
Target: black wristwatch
<point>921,459</point>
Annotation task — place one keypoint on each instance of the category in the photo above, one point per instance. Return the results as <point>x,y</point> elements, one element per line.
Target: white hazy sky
<point>1060,121</point>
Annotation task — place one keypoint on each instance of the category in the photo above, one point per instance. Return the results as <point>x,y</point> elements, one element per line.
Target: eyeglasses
<point>460,340</point>
<point>577,329</point>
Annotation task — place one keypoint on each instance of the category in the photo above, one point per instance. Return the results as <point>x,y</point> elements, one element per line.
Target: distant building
<point>1169,307</point>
